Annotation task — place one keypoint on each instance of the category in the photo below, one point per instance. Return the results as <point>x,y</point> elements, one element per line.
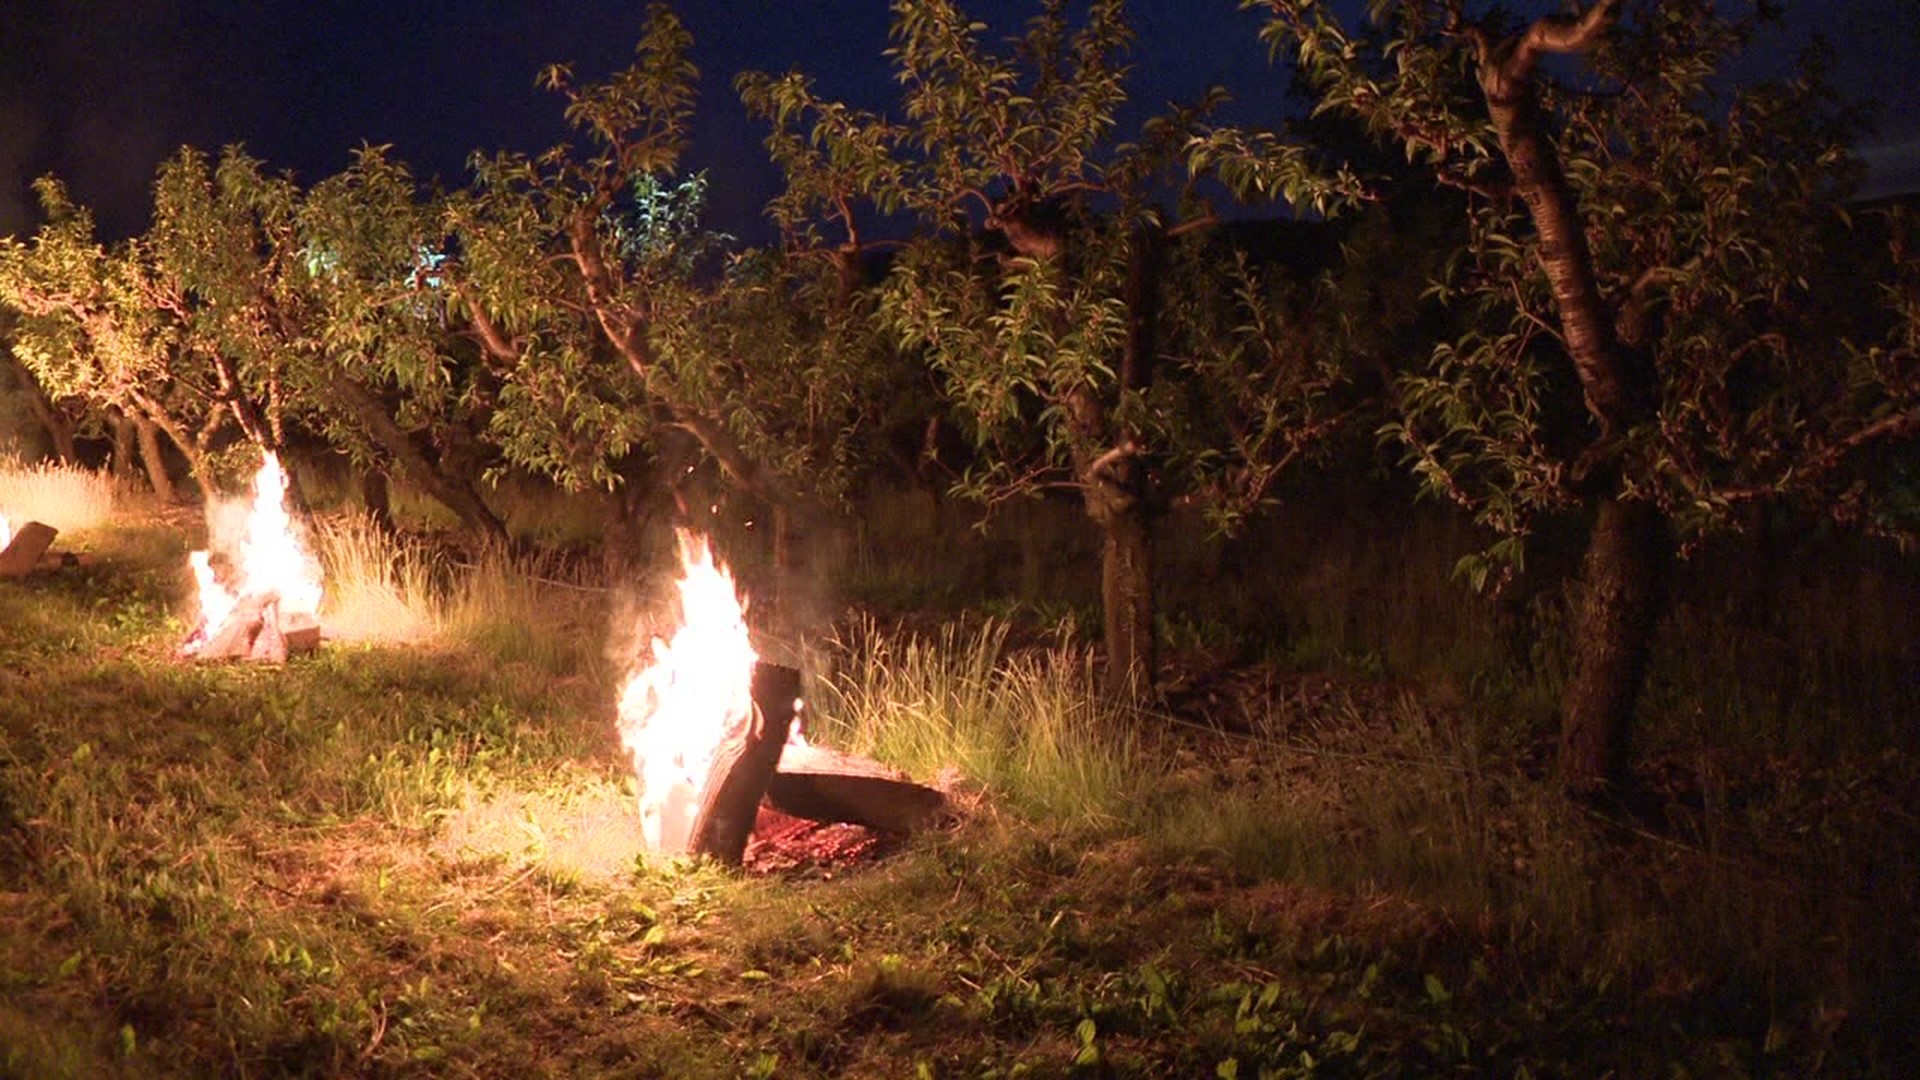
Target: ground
<point>420,859</point>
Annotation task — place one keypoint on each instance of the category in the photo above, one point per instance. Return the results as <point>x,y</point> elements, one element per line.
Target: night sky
<point>101,91</point>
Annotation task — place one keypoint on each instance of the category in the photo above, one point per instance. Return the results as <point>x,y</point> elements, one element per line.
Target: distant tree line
<point>1556,265</point>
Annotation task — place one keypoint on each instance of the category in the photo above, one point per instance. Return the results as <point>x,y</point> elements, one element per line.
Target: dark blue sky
<point>100,91</point>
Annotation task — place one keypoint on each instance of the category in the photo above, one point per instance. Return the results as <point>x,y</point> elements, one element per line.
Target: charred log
<point>819,784</point>
<point>743,766</point>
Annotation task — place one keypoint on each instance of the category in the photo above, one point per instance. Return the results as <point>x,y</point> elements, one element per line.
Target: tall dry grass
<point>1028,726</point>
<point>383,588</point>
<point>378,587</point>
<point>67,497</point>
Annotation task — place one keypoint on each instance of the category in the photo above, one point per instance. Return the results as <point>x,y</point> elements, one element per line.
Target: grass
<point>412,857</point>
<point>67,497</point>
<point>403,590</point>
<point>1024,727</point>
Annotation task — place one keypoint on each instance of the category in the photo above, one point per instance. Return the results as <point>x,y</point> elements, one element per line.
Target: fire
<point>271,561</point>
<point>216,603</point>
<point>677,710</point>
<point>6,533</point>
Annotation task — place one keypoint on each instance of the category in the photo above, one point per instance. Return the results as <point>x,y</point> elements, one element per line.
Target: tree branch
<point>1556,34</point>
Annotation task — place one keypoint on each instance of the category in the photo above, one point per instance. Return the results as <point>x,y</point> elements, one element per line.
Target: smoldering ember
<point>1399,564</point>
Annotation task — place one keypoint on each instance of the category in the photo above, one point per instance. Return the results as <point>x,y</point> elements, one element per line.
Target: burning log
<point>256,630</point>
<point>743,765</point>
<point>269,644</point>
<point>22,553</point>
<point>819,784</point>
<point>710,729</point>
<point>269,612</point>
<point>233,637</point>
<point>302,632</point>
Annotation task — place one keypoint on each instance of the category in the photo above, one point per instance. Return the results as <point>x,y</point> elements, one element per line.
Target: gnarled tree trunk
<point>1622,588</point>
<point>1627,550</point>
<point>456,493</point>
<point>59,430</point>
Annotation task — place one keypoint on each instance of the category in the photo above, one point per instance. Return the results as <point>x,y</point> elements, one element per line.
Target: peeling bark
<point>1628,548</point>
<point>1586,322</point>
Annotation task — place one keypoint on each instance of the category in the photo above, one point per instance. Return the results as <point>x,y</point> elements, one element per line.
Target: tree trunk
<point>146,410</point>
<point>376,498</point>
<point>780,517</point>
<point>1623,589</point>
<point>1586,323</point>
<point>455,493</point>
<point>122,446</point>
<point>1126,600</point>
<point>1628,548</point>
<point>1107,456</point>
<point>59,430</point>
<point>622,538</point>
<point>1113,488</point>
<point>631,508</point>
<point>154,458</point>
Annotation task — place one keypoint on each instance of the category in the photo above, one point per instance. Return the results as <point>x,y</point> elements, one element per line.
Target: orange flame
<point>6,533</point>
<point>675,712</point>
<point>271,559</point>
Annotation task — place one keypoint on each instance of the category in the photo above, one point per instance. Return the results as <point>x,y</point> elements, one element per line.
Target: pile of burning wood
<point>268,609</point>
<point>714,735</point>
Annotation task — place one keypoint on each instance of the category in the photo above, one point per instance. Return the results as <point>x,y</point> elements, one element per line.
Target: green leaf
<point>1087,1033</point>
